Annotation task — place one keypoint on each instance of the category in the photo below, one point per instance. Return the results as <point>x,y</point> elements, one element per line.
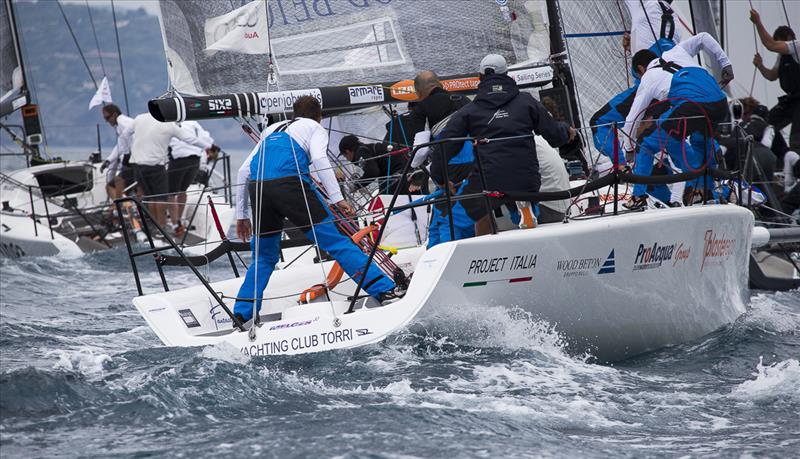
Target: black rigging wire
<point>119,56</point>
<point>652,30</point>
<point>96,42</point>
<point>783,4</point>
<point>75,39</point>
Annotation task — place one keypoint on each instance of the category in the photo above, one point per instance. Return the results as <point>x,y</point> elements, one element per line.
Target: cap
<point>495,62</point>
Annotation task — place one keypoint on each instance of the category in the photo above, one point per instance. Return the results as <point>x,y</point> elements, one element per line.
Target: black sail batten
<point>334,99</point>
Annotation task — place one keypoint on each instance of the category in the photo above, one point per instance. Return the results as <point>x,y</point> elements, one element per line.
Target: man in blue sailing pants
<point>500,110</point>
<point>276,175</point>
<point>690,104</point>
<point>458,168</point>
<point>615,111</point>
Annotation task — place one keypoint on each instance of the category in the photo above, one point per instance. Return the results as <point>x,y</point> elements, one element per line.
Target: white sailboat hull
<point>674,275</point>
<point>19,239</point>
<point>615,286</point>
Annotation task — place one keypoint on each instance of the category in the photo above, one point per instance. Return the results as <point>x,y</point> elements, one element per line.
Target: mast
<point>562,77</point>
<point>30,114</point>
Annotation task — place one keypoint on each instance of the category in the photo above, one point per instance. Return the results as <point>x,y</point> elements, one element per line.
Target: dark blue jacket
<point>501,110</point>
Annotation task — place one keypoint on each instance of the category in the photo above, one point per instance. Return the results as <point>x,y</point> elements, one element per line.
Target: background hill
<point>62,87</point>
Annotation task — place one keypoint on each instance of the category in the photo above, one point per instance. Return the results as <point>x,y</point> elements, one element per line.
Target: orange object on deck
<point>335,275</point>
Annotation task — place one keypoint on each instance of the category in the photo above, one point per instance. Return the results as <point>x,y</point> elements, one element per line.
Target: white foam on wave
<point>225,352</point>
<point>85,361</point>
<point>509,328</point>
<point>768,312</point>
<point>779,380</point>
<point>549,386</point>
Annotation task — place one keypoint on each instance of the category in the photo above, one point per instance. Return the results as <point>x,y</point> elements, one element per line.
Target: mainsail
<point>347,53</point>
<point>12,78</point>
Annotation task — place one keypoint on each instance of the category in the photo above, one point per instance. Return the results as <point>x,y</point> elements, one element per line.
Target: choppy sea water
<point>81,374</point>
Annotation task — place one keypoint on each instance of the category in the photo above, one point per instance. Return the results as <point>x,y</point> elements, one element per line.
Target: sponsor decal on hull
<point>652,257</point>
<point>188,318</point>
<point>682,253</point>
<point>609,266</point>
<point>716,249</point>
<point>299,343</point>
<point>499,265</point>
<point>578,267</point>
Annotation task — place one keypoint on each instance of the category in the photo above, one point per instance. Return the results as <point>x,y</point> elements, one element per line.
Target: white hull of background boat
<point>615,286</point>
<point>18,238</point>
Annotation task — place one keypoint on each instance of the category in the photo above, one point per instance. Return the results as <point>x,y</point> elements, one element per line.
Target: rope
<point>119,57</point>
<point>652,30</point>
<point>755,46</point>
<point>96,42</point>
<point>627,52</point>
<point>311,220</point>
<point>77,45</point>
<point>785,14</point>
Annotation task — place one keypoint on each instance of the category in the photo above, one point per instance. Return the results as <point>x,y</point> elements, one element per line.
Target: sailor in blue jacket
<point>276,178</point>
<point>690,104</point>
<point>511,165</point>
<point>616,110</point>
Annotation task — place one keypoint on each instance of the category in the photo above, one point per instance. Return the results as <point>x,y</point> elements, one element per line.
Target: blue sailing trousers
<point>280,189</point>
<point>339,246</point>
<point>439,228</point>
<point>696,106</point>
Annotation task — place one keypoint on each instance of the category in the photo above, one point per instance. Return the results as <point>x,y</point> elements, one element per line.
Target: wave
<point>777,382</point>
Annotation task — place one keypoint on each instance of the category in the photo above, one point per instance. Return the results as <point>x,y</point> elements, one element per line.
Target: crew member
<point>786,69</point>
<point>652,26</point>
<point>147,141</point>
<point>791,186</point>
<point>376,162</point>
<point>184,163</point>
<point>554,178</point>
<point>116,162</point>
<point>276,177</point>
<point>511,165</point>
<point>434,110</point>
<point>689,104</point>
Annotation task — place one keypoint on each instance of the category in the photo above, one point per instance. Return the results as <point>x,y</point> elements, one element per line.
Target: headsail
<point>13,94</point>
<point>323,47</point>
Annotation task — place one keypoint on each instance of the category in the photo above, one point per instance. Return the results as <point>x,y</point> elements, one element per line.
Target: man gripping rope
<point>689,104</point>
<point>276,179</point>
<point>615,111</point>
<point>787,70</point>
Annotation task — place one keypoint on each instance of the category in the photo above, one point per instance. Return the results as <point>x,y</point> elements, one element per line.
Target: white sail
<point>316,43</point>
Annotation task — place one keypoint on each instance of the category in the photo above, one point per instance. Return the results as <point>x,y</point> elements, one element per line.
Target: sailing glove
<point>727,75</point>
<point>104,166</point>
